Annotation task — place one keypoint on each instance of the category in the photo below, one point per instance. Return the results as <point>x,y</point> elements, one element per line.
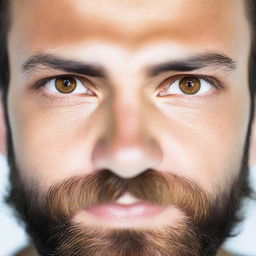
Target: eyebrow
<point>204,60</point>
<point>59,63</point>
<point>214,60</point>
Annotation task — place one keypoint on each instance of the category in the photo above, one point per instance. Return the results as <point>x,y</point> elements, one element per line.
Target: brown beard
<point>63,200</point>
<point>67,197</point>
<point>48,217</point>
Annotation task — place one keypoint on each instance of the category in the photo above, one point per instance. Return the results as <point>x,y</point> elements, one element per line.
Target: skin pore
<point>127,116</point>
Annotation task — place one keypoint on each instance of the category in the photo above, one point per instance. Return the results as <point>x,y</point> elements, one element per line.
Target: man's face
<point>140,85</point>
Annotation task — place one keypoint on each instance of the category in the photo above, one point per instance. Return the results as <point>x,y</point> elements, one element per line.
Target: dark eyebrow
<point>48,60</point>
<point>214,60</point>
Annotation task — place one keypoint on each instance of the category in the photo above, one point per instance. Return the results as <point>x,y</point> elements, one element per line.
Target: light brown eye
<point>65,84</point>
<point>190,85</point>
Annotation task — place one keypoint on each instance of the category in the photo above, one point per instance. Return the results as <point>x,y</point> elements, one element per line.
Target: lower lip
<point>114,211</point>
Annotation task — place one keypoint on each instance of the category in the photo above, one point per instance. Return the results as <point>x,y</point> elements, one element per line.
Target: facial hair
<point>47,217</point>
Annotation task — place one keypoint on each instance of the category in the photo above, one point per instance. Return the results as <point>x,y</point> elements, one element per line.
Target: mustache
<point>64,199</point>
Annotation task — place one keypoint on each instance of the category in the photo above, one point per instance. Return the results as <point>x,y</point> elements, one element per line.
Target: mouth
<point>129,212</point>
<point>125,208</point>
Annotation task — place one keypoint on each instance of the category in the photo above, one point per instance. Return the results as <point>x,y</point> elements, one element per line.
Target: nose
<point>126,146</point>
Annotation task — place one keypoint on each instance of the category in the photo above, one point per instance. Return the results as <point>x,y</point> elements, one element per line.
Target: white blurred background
<point>12,236</point>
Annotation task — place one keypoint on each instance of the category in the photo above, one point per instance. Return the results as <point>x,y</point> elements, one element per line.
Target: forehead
<point>47,23</point>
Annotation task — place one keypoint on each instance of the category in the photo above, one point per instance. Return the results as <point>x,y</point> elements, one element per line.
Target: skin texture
<point>125,126</point>
<point>81,134</point>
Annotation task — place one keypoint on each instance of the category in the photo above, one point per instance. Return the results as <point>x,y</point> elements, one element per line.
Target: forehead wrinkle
<point>63,19</point>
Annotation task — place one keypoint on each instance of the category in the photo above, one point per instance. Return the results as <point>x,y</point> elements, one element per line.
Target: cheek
<point>51,143</point>
<point>206,144</point>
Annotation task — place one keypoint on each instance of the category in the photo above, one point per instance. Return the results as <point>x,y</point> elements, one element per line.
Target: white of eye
<point>80,87</point>
<point>174,88</point>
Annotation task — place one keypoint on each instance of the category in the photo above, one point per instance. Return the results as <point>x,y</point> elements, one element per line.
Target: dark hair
<point>251,12</point>
<point>4,62</point>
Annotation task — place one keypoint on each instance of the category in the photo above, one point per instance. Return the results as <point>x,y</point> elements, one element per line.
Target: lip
<point>116,211</point>
<point>128,212</point>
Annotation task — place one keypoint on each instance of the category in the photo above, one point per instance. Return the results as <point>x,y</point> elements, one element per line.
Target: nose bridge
<point>126,146</point>
<point>127,120</point>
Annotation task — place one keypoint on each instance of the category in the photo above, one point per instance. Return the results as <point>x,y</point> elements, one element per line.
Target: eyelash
<point>216,83</point>
<point>38,88</point>
<point>57,99</point>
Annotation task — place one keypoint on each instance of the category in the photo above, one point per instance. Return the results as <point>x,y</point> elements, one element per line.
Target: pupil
<point>66,83</point>
<point>190,83</point>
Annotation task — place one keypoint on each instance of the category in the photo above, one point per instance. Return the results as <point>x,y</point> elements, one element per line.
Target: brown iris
<point>65,84</point>
<point>190,85</point>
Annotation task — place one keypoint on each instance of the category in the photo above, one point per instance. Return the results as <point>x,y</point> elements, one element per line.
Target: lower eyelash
<point>199,99</point>
<point>51,98</point>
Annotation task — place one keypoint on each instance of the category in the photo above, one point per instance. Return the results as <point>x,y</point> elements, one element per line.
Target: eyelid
<point>166,83</point>
<point>212,80</point>
<point>38,88</point>
<point>193,99</point>
<point>41,82</point>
